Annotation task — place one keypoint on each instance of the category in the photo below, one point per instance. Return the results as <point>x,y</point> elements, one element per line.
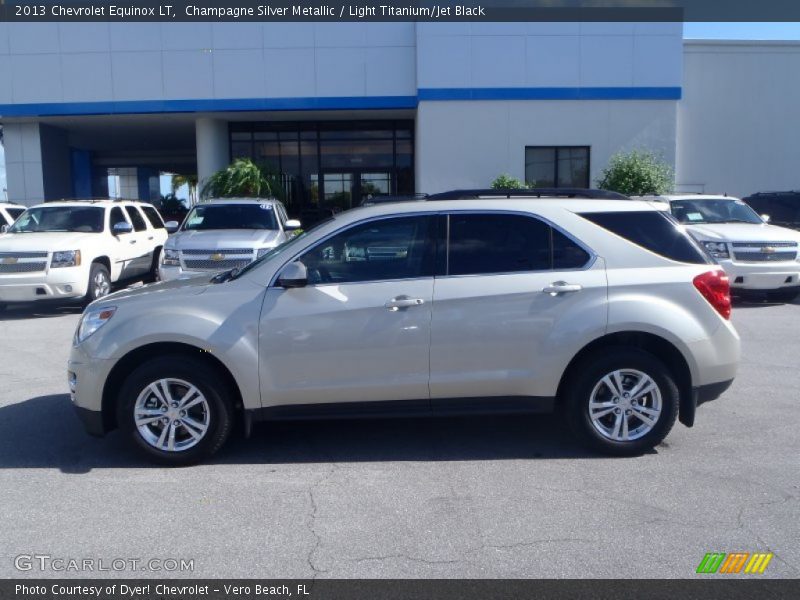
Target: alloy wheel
<point>625,405</point>
<point>172,415</point>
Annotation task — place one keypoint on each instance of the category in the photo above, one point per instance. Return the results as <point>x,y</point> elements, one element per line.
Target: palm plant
<point>243,178</point>
<point>179,181</point>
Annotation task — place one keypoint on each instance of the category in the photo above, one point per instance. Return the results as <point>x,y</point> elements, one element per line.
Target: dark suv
<point>783,208</point>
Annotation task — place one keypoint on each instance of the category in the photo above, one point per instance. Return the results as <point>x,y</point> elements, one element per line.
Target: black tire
<point>152,276</point>
<point>94,291</point>
<point>782,296</point>
<point>590,372</point>
<point>203,376</point>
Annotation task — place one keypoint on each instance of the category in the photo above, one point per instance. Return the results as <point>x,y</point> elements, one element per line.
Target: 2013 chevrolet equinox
<point>520,304</point>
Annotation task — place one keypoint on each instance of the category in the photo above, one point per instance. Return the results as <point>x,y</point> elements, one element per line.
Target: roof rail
<point>385,199</point>
<point>530,193</point>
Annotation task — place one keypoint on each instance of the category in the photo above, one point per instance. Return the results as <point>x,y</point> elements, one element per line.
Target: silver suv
<point>224,234</point>
<point>606,308</point>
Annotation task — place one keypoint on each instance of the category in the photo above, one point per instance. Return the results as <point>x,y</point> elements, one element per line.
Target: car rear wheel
<point>621,402</point>
<point>176,410</point>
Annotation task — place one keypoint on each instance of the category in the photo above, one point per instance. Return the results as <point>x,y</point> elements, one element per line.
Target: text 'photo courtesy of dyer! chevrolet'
<point>464,302</point>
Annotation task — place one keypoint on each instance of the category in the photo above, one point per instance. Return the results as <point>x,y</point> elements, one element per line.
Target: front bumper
<point>86,377</point>
<point>54,284</point>
<point>762,276</point>
<point>172,273</point>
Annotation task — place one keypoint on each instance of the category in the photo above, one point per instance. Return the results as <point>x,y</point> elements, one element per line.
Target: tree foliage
<point>507,182</point>
<point>637,173</point>
<point>243,179</point>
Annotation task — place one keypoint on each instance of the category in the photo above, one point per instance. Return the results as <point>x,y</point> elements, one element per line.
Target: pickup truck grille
<point>21,267</point>
<point>216,259</point>
<point>22,262</point>
<point>216,265</point>
<point>765,251</point>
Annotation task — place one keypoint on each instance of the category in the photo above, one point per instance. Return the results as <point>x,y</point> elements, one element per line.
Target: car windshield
<point>723,210</point>
<point>85,219</point>
<point>231,216</point>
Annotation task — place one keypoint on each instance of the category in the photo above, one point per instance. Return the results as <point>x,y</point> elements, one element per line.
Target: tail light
<point>716,288</point>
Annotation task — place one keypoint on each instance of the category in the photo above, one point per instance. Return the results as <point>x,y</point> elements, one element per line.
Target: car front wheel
<point>176,410</point>
<point>622,402</point>
<point>99,282</point>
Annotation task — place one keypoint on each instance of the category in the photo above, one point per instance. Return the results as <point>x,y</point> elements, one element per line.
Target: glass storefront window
<point>333,164</point>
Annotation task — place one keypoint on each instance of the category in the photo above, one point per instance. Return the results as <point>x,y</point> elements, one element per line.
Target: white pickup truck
<point>78,249</point>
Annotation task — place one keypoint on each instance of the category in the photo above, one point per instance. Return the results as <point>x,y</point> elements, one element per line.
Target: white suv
<point>220,235</point>
<point>9,213</point>
<point>77,249</point>
<point>757,256</point>
<point>448,305</point>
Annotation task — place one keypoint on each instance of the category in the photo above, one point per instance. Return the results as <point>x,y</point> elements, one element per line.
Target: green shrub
<point>507,182</point>
<point>244,179</point>
<point>636,173</point>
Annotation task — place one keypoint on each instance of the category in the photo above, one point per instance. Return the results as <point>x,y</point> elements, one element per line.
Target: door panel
<point>340,343</point>
<point>124,247</point>
<point>519,300</point>
<point>360,331</point>
<point>501,335</point>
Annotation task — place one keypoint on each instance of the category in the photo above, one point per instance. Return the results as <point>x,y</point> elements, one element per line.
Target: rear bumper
<point>701,395</point>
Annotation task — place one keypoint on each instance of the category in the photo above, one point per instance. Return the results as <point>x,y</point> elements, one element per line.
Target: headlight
<point>92,320</point>
<point>66,258</point>
<point>171,258</point>
<point>262,251</point>
<point>717,249</point>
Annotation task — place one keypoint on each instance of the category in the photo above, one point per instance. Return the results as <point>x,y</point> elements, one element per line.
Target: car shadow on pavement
<point>19,312</point>
<point>44,432</point>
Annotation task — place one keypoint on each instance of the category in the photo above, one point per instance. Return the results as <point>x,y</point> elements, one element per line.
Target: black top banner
<point>400,10</point>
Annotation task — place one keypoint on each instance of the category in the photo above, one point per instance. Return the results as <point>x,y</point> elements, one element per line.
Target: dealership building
<point>345,110</point>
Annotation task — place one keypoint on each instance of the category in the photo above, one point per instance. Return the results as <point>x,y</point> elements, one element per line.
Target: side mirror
<point>292,224</point>
<point>4,228</point>
<point>765,218</point>
<point>121,227</point>
<point>171,226</point>
<point>294,275</point>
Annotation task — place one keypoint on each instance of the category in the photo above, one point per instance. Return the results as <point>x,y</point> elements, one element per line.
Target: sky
<point>731,31</point>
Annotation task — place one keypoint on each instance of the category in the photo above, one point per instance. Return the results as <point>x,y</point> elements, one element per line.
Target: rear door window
<point>153,216</point>
<point>653,230</point>
<point>136,218</point>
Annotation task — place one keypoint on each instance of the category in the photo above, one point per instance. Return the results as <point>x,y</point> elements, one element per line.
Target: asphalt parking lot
<point>449,498</point>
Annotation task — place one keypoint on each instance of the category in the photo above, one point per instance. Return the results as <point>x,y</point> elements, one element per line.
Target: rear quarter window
<point>653,230</point>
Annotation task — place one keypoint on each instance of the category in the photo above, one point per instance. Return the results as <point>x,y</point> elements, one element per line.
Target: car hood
<point>217,239</point>
<point>743,232</point>
<point>164,291</point>
<point>43,241</point>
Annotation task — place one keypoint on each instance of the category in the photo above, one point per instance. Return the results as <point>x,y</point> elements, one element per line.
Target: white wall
<point>466,55</point>
<point>468,144</point>
<point>739,121</point>
<point>24,162</point>
<point>88,62</point>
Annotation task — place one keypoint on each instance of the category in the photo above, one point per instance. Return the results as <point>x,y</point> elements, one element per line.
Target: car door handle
<point>562,287</point>
<point>396,304</point>
<point>150,238</point>
<point>132,242</point>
